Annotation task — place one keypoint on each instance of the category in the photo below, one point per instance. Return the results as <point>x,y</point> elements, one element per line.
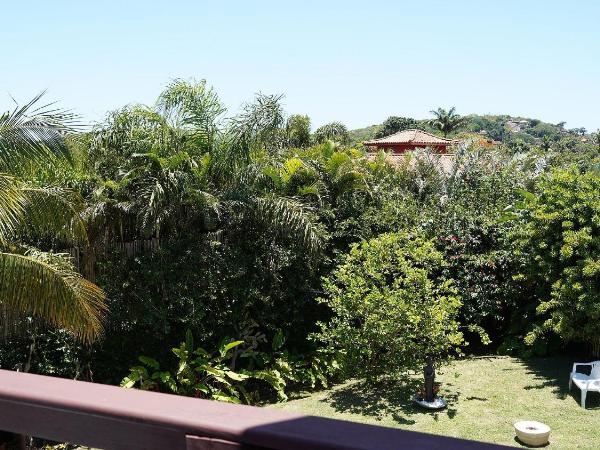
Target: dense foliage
<point>234,373</point>
<point>230,228</point>
<point>559,238</point>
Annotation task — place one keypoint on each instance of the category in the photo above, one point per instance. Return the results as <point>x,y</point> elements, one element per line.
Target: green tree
<point>546,144</point>
<point>560,242</point>
<point>446,121</point>
<point>187,169</point>
<point>394,124</point>
<point>334,131</point>
<point>297,129</point>
<point>391,306</point>
<point>34,282</point>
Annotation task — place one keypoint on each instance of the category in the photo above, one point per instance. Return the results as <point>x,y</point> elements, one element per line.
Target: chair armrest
<point>579,364</point>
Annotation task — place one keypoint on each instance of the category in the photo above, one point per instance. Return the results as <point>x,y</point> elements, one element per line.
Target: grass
<point>485,395</point>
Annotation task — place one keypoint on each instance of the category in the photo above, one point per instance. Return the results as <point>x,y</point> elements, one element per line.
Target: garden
<point>245,258</point>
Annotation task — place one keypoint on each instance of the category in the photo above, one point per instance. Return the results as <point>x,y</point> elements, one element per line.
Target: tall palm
<point>446,121</point>
<point>34,282</point>
<point>186,166</point>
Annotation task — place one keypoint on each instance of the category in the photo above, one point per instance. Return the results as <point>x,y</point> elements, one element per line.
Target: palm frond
<point>53,212</point>
<point>289,218</point>
<point>47,286</point>
<point>258,126</point>
<point>34,134</point>
<point>193,106</point>
<point>12,207</point>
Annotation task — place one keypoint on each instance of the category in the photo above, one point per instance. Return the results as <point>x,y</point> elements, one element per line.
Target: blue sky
<point>356,62</point>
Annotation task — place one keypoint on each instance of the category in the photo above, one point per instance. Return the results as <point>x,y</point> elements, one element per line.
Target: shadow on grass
<point>553,374</point>
<point>523,444</point>
<point>389,398</point>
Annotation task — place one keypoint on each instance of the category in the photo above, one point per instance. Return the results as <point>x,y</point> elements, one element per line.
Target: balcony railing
<point>110,417</point>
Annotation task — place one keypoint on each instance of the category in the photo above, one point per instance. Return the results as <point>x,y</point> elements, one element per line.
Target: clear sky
<point>353,61</point>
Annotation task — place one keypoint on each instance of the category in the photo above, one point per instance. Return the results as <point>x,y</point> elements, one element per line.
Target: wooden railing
<point>110,417</point>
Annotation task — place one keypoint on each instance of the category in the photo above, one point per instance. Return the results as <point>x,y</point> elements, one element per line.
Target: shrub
<point>391,306</point>
<point>560,242</point>
<point>236,372</point>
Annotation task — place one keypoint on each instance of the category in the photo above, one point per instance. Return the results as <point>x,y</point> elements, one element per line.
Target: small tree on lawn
<point>391,306</point>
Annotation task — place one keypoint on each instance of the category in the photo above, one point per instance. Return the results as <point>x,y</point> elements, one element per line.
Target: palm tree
<point>187,168</point>
<point>546,144</point>
<point>34,282</point>
<point>446,121</point>
<point>334,131</point>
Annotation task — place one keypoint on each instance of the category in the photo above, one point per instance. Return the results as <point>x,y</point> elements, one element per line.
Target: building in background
<point>408,140</point>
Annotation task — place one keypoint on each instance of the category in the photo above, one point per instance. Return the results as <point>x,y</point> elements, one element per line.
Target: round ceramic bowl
<point>532,433</point>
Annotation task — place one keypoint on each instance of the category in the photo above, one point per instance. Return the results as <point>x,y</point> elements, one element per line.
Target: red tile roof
<point>412,136</point>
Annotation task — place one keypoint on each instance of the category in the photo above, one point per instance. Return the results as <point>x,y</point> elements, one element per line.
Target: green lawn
<point>486,395</point>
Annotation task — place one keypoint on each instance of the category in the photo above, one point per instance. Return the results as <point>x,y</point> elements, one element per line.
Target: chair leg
<point>583,395</point>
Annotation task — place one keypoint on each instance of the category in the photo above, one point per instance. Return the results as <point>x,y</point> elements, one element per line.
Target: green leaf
<point>278,340</point>
<point>226,398</point>
<point>225,348</point>
<point>128,382</point>
<point>529,196</point>
<point>189,341</point>
<point>236,376</point>
<point>202,388</point>
<point>150,362</point>
<point>47,285</point>
<point>507,217</point>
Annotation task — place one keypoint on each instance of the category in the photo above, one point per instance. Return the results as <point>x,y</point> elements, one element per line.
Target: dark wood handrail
<point>110,417</point>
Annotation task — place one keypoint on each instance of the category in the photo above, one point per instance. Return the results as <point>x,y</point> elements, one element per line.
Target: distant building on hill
<point>407,140</point>
<point>517,126</point>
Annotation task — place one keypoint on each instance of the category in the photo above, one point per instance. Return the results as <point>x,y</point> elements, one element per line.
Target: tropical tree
<point>35,282</point>
<point>394,124</point>
<point>334,131</point>
<point>323,173</point>
<point>297,130</point>
<point>546,143</point>
<point>186,166</point>
<point>446,121</point>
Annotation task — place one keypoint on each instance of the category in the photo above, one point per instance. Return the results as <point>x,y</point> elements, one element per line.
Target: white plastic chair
<point>585,382</point>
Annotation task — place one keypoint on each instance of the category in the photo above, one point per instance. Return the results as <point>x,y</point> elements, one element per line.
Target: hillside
<point>503,128</point>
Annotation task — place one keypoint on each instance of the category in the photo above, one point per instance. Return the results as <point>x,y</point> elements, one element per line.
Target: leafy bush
<point>560,242</point>
<point>199,374</point>
<point>392,306</point>
<point>217,376</point>
<point>248,218</point>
